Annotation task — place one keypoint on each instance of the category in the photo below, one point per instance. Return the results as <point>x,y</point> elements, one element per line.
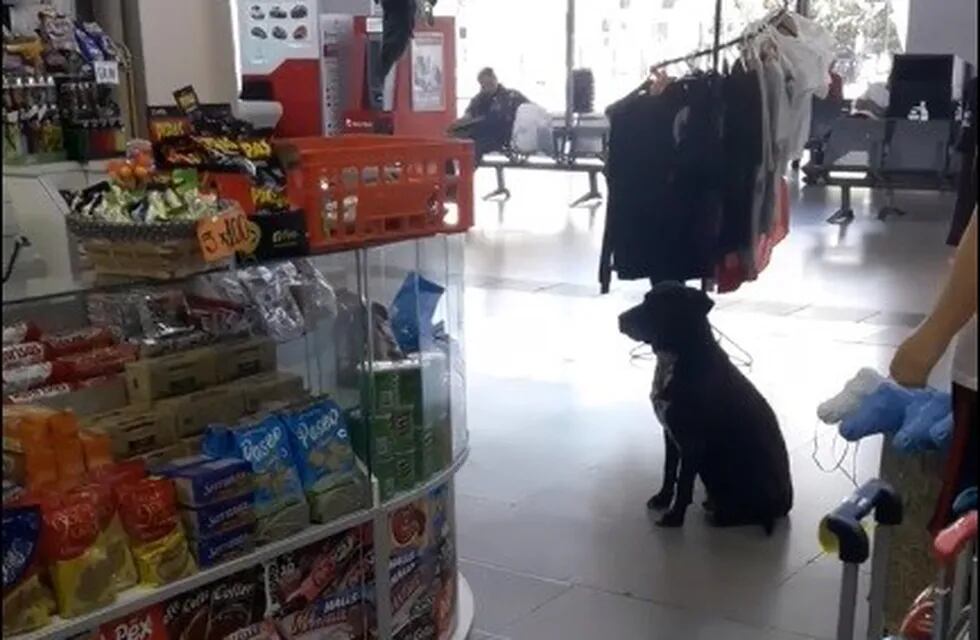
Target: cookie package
<point>320,443</point>
<point>265,447</point>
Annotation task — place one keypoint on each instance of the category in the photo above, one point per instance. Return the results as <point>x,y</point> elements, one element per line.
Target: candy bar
<point>98,362</point>
<point>69,342</point>
<point>24,353</point>
<point>20,332</point>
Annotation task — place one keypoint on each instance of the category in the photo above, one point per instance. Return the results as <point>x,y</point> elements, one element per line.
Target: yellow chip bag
<point>165,560</point>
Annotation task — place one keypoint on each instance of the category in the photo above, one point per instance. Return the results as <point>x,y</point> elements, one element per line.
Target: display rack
<point>376,274</point>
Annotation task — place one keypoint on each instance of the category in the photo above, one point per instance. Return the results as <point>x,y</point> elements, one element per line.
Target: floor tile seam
<point>556,582</point>
<point>509,626</point>
<point>809,563</point>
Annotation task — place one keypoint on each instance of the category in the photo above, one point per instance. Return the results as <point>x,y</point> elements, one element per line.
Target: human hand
<point>916,358</point>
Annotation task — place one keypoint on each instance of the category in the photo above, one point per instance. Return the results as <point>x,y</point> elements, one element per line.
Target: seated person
<point>489,119</point>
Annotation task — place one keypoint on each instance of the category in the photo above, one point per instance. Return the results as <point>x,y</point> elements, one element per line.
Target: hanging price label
<point>222,235</point>
<point>106,71</point>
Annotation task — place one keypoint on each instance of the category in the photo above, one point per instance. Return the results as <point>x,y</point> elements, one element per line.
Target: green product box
<point>395,475</point>
<point>383,390</point>
<point>427,461</point>
<point>402,429</point>
<point>391,434</point>
<point>410,392</point>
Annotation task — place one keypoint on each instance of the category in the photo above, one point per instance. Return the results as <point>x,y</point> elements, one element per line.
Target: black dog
<point>716,423</point>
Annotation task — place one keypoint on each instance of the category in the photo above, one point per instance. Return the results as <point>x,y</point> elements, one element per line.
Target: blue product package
<point>224,546</point>
<point>168,469</point>
<point>213,481</point>
<point>21,536</point>
<point>265,447</point>
<point>219,517</point>
<point>321,445</point>
<point>412,311</point>
<point>218,442</point>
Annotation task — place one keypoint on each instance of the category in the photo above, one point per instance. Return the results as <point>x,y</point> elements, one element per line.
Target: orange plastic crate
<point>363,189</point>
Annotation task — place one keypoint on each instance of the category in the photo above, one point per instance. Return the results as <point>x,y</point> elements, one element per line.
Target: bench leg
<point>501,192</point>
<point>592,195</point>
<point>844,215</point>
<point>890,209</point>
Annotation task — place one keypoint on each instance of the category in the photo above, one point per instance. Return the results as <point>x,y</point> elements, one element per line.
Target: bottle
<point>923,111</point>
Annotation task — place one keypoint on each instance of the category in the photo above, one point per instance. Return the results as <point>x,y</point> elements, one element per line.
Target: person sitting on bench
<point>489,118</point>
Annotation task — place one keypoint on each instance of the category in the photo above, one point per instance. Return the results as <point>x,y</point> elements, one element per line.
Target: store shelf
<point>138,598</point>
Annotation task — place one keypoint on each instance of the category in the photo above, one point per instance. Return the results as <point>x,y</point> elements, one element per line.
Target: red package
<point>69,342</point>
<point>71,527</point>
<point>32,376</point>
<point>33,395</point>
<point>24,353</point>
<point>98,362</point>
<point>97,381</point>
<point>148,509</point>
<point>20,332</point>
<point>142,625</point>
<point>101,496</point>
<point>115,475</point>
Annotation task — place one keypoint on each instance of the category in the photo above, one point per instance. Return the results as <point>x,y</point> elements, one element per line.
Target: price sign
<point>222,235</point>
<point>106,71</point>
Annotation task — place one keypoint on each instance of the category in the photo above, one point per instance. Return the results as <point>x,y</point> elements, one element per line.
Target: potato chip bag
<point>27,603</point>
<point>113,538</point>
<point>148,509</point>
<point>77,560</point>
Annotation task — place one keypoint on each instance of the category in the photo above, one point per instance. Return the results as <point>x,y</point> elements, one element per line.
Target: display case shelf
<point>139,598</point>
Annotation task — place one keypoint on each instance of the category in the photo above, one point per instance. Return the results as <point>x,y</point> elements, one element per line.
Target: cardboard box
<point>193,413</point>
<point>192,446</point>
<point>275,386</point>
<point>160,457</point>
<point>244,358</point>
<point>137,432</point>
<point>171,375</point>
<point>91,400</point>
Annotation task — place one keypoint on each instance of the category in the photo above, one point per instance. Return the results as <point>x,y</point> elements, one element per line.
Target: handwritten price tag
<point>222,235</point>
<point>106,71</point>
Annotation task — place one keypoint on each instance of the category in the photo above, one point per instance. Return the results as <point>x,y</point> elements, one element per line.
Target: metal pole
<point>848,602</point>
<point>569,67</point>
<point>716,53</point>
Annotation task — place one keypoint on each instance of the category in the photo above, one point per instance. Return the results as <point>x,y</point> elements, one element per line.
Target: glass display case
<point>326,395</point>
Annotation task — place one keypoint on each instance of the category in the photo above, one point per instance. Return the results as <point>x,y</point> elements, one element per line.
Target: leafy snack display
<point>320,442</point>
<point>112,537</point>
<point>149,514</point>
<point>27,603</point>
<point>78,563</point>
<point>265,447</point>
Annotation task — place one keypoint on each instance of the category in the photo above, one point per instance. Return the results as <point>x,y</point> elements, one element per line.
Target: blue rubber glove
<point>928,409</point>
<point>942,432</point>
<point>883,411</point>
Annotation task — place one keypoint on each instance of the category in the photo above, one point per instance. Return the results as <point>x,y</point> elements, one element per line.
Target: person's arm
<point>957,304</point>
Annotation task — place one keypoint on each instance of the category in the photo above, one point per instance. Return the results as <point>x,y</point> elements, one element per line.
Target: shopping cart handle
<point>953,540</point>
<point>842,531</point>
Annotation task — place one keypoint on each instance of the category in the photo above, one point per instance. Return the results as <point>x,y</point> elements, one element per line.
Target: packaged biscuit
<point>147,624</point>
<point>219,517</point>
<point>78,563</point>
<point>186,616</point>
<point>265,447</point>
<point>284,523</point>
<point>339,616</point>
<point>212,481</point>
<point>221,547</point>
<point>265,630</point>
<point>24,353</point>
<point>236,603</point>
<point>113,537</point>
<point>149,513</point>
<point>27,602</point>
<point>347,495</point>
<point>320,443</point>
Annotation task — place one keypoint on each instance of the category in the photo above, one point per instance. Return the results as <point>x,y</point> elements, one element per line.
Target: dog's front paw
<point>661,501</point>
<point>672,520</point>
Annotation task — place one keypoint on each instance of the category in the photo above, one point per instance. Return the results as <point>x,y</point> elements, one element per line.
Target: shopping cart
<point>843,532</point>
<point>942,611</point>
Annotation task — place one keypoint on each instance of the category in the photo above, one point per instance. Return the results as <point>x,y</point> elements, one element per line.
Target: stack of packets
<point>302,463</point>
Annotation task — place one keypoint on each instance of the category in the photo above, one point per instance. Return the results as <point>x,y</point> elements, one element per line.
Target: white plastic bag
<point>532,130</point>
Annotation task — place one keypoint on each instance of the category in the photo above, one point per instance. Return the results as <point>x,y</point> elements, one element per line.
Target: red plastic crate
<point>357,190</point>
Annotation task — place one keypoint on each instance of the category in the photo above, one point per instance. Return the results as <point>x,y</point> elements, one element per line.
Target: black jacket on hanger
<point>665,174</point>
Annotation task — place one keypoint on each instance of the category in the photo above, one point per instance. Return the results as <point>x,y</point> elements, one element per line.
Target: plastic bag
<point>532,130</point>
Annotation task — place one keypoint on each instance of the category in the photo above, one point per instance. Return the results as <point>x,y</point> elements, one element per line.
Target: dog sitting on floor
<point>717,426</point>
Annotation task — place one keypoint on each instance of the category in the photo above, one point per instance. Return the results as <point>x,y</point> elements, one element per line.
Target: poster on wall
<point>272,31</point>
<point>428,72</point>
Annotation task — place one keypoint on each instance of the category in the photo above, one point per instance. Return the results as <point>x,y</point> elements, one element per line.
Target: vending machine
<point>323,68</point>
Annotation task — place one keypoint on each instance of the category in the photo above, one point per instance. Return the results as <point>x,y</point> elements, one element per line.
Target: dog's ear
<point>699,300</point>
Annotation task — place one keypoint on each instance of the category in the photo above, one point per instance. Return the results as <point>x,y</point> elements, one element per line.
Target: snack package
<point>320,442</point>
<point>20,332</point>
<point>96,449</point>
<point>219,517</point>
<point>300,578</point>
<point>24,353</point>
<point>27,603</point>
<point>68,342</point>
<point>265,447</point>
<point>108,47</point>
<point>221,547</point>
<point>237,602</point>
<point>103,361</point>
<point>346,496</point>
<point>78,563</point>
<point>340,616</point>
<point>269,290</point>
<point>213,481</point>
<point>265,630</point>
<point>283,524</point>
<point>88,47</point>
<point>147,624</point>
<point>41,393</point>
<point>113,537</point>
<point>28,454</point>
<point>149,513</point>
<point>186,616</point>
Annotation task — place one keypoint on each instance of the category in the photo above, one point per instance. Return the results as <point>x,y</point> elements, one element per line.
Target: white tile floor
<point>553,532</point>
